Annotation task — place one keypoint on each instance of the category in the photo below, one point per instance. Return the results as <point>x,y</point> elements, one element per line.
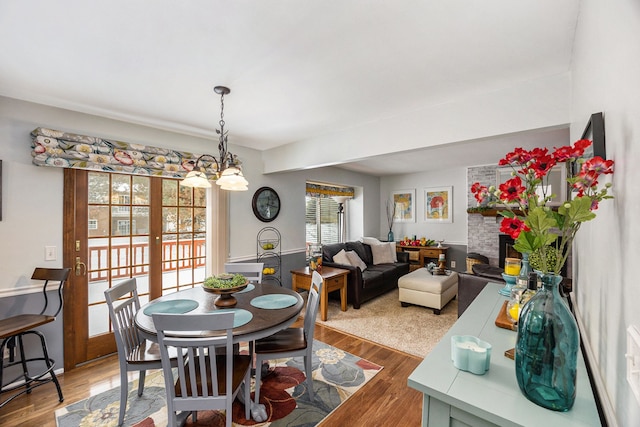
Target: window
<point>321,220</point>
<point>93,224</point>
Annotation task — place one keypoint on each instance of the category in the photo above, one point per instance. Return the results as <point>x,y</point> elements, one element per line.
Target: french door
<point>121,226</point>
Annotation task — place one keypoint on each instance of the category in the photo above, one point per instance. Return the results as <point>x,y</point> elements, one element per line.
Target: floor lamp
<point>342,226</point>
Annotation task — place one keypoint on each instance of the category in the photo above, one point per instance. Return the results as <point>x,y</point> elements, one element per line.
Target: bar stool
<point>12,333</point>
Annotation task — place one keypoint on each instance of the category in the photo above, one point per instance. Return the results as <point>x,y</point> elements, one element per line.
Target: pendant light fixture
<point>228,171</point>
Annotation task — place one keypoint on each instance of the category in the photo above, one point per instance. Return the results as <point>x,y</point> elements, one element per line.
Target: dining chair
<point>202,381</point>
<point>134,352</point>
<point>292,342</point>
<point>251,270</point>
<point>14,329</point>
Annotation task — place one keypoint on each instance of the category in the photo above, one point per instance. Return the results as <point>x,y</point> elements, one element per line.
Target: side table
<point>333,279</point>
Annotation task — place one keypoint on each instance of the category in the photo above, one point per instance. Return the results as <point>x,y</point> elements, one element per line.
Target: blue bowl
<point>511,280</point>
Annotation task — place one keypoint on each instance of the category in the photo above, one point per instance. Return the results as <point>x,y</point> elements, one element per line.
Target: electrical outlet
<point>453,264</point>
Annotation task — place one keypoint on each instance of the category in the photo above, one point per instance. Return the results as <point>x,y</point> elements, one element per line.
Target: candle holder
<point>470,353</point>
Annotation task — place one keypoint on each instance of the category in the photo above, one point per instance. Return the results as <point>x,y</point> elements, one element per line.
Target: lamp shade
<point>232,179</point>
<point>196,179</point>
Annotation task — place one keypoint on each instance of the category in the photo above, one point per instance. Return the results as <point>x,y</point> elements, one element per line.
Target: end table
<point>333,279</point>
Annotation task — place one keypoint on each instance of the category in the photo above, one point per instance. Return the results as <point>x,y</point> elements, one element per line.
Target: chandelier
<point>228,171</point>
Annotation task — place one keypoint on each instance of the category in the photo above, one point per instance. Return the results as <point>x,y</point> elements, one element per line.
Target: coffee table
<point>333,279</point>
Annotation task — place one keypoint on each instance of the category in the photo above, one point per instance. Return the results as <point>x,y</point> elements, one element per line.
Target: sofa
<point>471,284</point>
<point>375,280</point>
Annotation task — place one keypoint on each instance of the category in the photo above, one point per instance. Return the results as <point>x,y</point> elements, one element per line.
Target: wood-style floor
<point>385,401</point>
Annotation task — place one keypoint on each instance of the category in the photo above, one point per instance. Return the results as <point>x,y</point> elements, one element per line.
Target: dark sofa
<point>375,280</point>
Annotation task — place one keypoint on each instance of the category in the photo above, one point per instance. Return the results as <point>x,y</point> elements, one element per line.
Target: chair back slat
<point>124,304</point>
<point>312,305</point>
<point>194,385</point>
<point>251,270</point>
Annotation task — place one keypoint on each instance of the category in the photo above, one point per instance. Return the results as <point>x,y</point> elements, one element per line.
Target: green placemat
<point>241,316</point>
<point>274,301</point>
<point>249,287</point>
<point>175,306</point>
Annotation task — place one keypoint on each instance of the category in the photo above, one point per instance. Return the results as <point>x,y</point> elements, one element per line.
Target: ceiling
<point>297,69</point>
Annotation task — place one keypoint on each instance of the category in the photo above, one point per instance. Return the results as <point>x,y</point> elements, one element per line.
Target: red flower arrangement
<point>536,227</point>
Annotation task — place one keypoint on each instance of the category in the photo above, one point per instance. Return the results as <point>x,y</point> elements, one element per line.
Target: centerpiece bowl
<point>225,285</point>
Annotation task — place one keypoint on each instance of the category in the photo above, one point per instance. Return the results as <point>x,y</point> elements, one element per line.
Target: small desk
<point>451,395</point>
<point>333,279</point>
<point>418,254</point>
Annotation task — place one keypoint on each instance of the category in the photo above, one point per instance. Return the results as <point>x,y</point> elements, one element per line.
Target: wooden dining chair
<point>201,382</point>
<point>251,270</point>
<point>292,342</point>
<point>134,352</point>
<point>14,329</point>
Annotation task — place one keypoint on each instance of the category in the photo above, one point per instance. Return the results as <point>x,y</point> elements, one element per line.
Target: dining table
<point>261,310</point>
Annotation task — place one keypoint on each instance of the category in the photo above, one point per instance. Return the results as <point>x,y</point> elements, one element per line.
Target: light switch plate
<point>49,253</point>
<point>633,360</point>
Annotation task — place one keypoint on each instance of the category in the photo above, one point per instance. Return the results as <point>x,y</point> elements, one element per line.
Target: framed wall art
<point>554,183</point>
<point>404,202</point>
<point>438,204</point>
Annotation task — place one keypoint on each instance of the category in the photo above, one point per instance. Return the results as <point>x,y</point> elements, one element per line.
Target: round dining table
<point>264,320</point>
<point>263,309</point>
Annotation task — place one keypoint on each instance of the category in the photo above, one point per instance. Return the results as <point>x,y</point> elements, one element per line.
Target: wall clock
<point>266,204</point>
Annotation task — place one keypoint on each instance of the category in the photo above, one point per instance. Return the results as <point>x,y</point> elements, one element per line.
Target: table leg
<point>343,295</point>
<point>324,300</point>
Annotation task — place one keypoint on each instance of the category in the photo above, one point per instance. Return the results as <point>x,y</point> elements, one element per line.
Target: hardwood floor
<point>385,401</point>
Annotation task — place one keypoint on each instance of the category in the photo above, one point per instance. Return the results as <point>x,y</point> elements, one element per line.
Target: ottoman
<point>422,288</point>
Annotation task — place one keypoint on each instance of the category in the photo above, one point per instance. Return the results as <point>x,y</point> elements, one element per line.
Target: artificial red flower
<point>542,165</point>
<point>513,227</point>
<point>598,165</point>
<point>512,190</point>
<point>517,156</point>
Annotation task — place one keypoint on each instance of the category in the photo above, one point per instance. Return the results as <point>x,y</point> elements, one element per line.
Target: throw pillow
<point>394,253</point>
<point>356,261</point>
<point>381,254</point>
<point>371,241</point>
<point>341,258</point>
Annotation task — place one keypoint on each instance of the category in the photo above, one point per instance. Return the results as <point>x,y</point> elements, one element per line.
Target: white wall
<point>606,77</point>
<point>453,233</point>
<point>32,196</point>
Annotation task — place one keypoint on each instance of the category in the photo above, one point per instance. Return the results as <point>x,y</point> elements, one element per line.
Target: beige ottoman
<point>422,288</point>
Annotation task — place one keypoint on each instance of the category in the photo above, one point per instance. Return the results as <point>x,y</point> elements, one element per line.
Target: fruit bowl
<point>225,285</point>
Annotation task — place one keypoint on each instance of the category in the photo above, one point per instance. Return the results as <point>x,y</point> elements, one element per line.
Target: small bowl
<point>511,280</point>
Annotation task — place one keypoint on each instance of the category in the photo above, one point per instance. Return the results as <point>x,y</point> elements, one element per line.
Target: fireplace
<point>505,249</point>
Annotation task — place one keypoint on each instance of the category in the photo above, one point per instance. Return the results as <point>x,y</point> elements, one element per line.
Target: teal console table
<point>459,398</point>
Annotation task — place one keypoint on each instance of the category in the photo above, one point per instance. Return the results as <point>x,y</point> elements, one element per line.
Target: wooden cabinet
<point>421,255</point>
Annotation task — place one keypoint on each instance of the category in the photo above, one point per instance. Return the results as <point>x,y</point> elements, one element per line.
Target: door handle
<point>81,267</point>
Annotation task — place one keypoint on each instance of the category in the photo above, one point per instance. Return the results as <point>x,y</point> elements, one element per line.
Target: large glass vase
<point>547,348</point>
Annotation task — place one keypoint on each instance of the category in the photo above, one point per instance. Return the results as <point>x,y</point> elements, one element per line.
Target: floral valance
<point>69,150</point>
<point>322,190</point>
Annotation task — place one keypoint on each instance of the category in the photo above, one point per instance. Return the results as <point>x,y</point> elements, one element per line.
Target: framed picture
<point>594,131</point>
<point>554,183</point>
<point>438,204</point>
<point>404,202</point>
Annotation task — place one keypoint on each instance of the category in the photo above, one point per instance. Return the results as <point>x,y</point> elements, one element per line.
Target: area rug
<point>414,329</point>
<point>337,375</point>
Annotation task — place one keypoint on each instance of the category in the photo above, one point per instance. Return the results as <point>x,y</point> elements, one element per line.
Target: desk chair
<point>201,382</point>
<point>251,270</point>
<point>14,329</point>
<point>134,352</point>
<point>292,342</point>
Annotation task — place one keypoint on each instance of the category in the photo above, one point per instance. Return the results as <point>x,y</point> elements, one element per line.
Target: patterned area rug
<point>336,376</point>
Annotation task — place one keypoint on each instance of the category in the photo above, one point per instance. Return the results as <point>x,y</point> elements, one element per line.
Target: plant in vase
<point>548,340</point>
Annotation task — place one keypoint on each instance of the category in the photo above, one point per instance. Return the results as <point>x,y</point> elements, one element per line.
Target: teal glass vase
<point>390,236</point>
<point>547,348</point>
